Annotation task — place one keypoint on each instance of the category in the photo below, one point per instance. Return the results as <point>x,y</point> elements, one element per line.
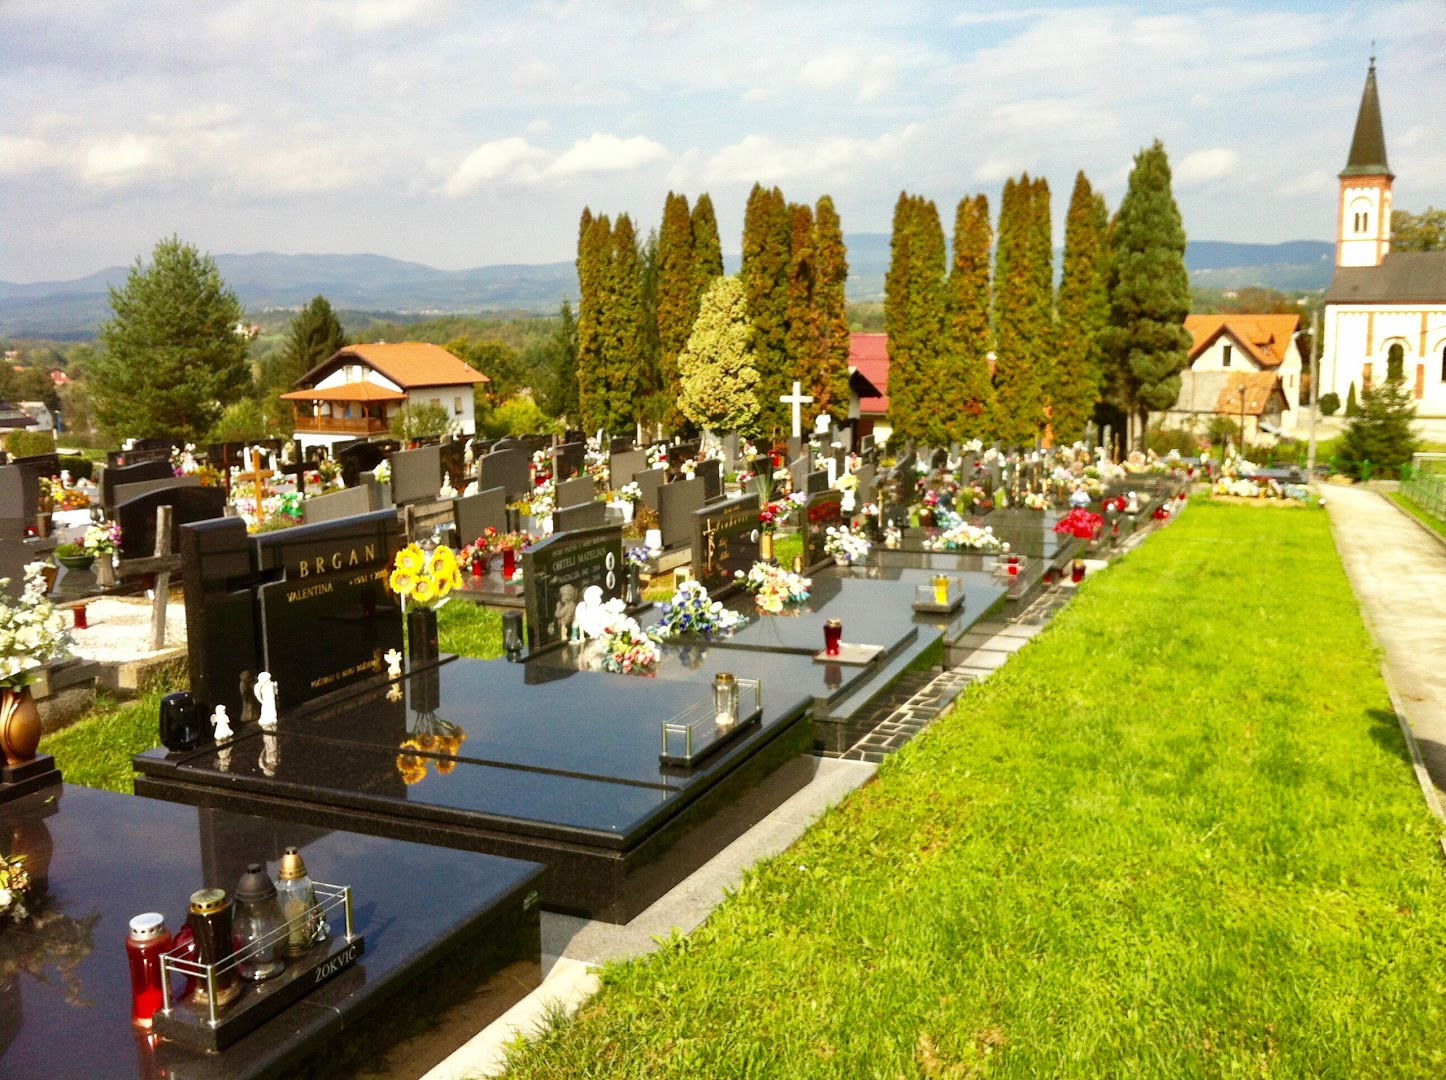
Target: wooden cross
<point>258,476</point>
<point>798,400</point>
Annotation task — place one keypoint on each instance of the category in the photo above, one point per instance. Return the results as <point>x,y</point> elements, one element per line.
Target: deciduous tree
<point>1425,231</point>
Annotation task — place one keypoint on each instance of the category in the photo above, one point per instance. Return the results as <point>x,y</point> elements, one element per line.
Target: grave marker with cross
<point>798,400</point>
<point>258,476</point>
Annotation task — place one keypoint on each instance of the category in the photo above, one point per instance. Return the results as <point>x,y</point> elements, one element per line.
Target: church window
<point>1396,362</point>
<point>1225,351</point>
<point>1443,363</point>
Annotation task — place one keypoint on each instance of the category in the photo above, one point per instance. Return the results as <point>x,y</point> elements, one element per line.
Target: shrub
<point>1162,440</point>
<point>420,420</point>
<point>1330,404</point>
<point>28,443</point>
<point>80,468</point>
<point>1353,407</point>
<point>1381,436</point>
<point>518,416</point>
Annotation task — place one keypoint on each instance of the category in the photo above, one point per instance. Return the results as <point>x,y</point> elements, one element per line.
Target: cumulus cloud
<point>1204,166</point>
<point>116,161</point>
<point>489,161</point>
<point>602,152</point>
<point>771,160</point>
<point>827,71</point>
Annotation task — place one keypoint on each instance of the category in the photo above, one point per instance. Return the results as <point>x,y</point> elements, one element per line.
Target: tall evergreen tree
<point>717,376</point>
<point>593,241</point>
<point>966,373</point>
<point>914,320</point>
<point>707,251</point>
<point>829,383</point>
<point>764,275</point>
<point>1145,343</point>
<point>802,330</point>
<point>1082,313</point>
<point>677,295</point>
<point>172,358</point>
<point>314,335</point>
<point>653,404</point>
<point>1023,310</point>
<point>622,330</point>
<point>556,359</point>
<point>904,365</point>
<point>1380,437</point>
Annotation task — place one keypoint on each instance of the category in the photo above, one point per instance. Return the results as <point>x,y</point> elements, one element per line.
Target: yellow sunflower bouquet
<point>424,580</point>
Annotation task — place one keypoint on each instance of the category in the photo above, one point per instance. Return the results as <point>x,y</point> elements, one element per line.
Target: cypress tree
<point>829,383</point>
<point>718,382</point>
<point>707,251</point>
<point>1145,343</point>
<point>1023,310</point>
<point>1353,407</point>
<point>653,403</point>
<point>903,360</point>
<point>314,335</point>
<point>966,375</point>
<point>594,240</point>
<point>1083,311</point>
<point>766,255</point>
<point>914,320</point>
<point>677,295</point>
<point>802,335</point>
<point>622,330</point>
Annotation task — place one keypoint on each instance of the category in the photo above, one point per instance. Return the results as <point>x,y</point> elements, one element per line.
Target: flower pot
<point>75,562</point>
<point>479,567</point>
<point>422,635</point>
<point>19,725</point>
<point>105,571</point>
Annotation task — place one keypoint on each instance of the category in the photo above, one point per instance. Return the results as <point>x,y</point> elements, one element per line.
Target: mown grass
<point>469,629</point>
<point>1417,511</point>
<point>1177,836</point>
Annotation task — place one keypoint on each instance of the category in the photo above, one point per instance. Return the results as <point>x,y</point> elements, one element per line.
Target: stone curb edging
<point>1413,519</point>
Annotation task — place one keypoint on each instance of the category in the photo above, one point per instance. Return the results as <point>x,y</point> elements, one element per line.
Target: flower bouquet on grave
<point>32,634</point>
<point>967,537</point>
<point>383,472</point>
<point>1034,500</point>
<point>629,493</point>
<point>423,581</point>
<point>1079,523</point>
<point>477,555</point>
<point>693,611</point>
<point>657,457</point>
<point>774,587</point>
<point>626,649</point>
<point>14,884</point>
<point>62,497</point>
<point>509,544</point>
<point>846,545</point>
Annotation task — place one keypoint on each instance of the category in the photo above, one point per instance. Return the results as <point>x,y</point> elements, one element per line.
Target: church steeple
<point>1363,221</point>
<point>1368,144</point>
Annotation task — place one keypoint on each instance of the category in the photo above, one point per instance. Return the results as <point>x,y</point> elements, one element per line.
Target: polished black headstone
<point>336,504</point>
<point>416,475</point>
<point>622,464</point>
<point>454,462</point>
<point>137,517</point>
<point>362,456</point>
<point>618,443</point>
<point>725,539</point>
<point>731,446</point>
<point>117,475</point>
<point>556,571</point>
<point>475,514</point>
<point>677,503</point>
<point>650,482</point>
<point>823,510</point>
<point>711,473</point>
<point>127,492</point>
<point>568,459</point>
<point>575,492</point>
<point>508,469</point>
<point>865,492</point>
<point>579,516</point>
<point>815,481</point>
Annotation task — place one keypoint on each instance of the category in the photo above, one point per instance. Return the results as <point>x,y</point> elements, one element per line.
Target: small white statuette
<point>394,663</point>
<point>591,617</point>
<point>270,755</point>
<point>221,724</point>
<point>265,691</point>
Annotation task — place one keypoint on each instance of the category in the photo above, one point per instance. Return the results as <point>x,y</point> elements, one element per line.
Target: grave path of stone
<point>1398,572</point>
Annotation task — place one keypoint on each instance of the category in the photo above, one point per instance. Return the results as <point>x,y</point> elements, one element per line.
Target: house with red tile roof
<point>1251,344</point>
<point>354,393</point>
<point>869,384</point>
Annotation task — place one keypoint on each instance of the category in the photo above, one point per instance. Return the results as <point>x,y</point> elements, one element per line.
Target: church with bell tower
<point>1385,311</point>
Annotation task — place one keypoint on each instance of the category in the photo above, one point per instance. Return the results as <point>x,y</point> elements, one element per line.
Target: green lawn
<point>1177,836</point>
<point>1417,511</point>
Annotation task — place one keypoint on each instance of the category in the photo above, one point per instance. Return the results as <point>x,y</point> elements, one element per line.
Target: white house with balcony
<point>355,392</point>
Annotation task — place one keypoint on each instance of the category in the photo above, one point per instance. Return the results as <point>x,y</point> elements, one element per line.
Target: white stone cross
<point>798,400</point>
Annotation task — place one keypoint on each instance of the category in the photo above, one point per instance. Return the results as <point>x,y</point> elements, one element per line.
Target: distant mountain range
<point>71,310</point>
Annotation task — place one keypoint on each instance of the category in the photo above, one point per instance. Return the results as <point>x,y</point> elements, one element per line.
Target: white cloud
<point>119,160</point>
<point>23,154</point>
<point>1203,166</point>
<point>828,71</point>
<point>490,161</point>
<point>601,152</point>
<point>770,160</point>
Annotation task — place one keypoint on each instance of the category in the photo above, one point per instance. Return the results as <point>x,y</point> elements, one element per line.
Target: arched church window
<point>1443,363</point>
<point>1396,362</point>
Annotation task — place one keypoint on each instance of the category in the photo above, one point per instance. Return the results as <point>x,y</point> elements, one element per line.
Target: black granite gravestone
<point>310,604</point>
<point>677,503</point>
<point>453,453</point>
<point>623,464</point>
<point>575,492</point>
<point>126,492</point>
<point>416,475</point>
<point>118,475</point>
<point>650,482</point>
<point>795,447</point>
<point>731,448</point>
<point>475,514</point>
<point>32,468</point>
<point>725,539</point>
<point>532,443</point>
<point>681,452</point>
<point>815,481</point>
<point>619,443</point>
<point>508,469</point>
<point>823,510</point>
<point>579,516</point>
<point>336,505</point>
<point>798,470</point>
<point>555,573</point>
<point>865,492</point>
<point>362,456</point>
<point>510,442</point>
<point>137,517</point>
<point>867,444</point>
<point>567,460</point>
<point>711,473</point>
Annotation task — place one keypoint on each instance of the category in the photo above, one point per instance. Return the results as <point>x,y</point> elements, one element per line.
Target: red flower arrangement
<point>1117,504</point>
<point>773,513</point>
<point>1079,523</point>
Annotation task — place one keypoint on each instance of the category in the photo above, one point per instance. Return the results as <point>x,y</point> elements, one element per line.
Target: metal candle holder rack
<point>1004,564</point>
<point>926,597</point>
<point>209,1027</point>
<point>699,732</point>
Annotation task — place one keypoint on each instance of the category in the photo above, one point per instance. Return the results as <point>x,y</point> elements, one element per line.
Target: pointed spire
<point>1368,144</point>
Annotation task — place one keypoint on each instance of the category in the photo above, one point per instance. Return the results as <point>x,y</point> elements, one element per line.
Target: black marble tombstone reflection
<point>137,517</point>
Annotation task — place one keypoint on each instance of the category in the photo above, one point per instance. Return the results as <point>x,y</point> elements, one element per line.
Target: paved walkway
<point>1398,572</point>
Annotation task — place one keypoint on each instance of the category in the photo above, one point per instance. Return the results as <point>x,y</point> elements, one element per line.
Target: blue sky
<point>464,133</point>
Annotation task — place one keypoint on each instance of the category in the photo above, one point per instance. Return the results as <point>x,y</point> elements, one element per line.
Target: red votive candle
<point>832,635</point>
<point>509,564</point>
<point>147,940</point>
<point>81,621</point>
